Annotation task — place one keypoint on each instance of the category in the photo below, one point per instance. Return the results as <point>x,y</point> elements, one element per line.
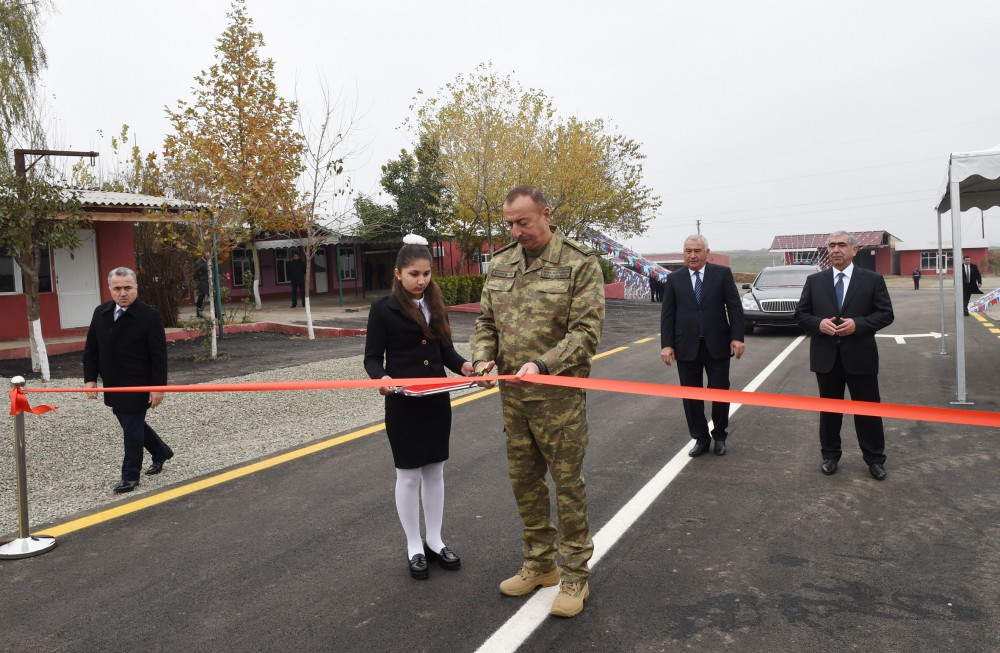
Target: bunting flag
<point>981,304</point>
<point>626,258</point>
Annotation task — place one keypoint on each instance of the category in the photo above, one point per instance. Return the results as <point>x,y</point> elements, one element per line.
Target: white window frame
<point>245,261</point>
<point>347,263</point>
<point>282,255</point>
<point>19,274</point>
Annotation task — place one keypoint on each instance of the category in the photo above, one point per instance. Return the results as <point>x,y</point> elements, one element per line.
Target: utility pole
<point>697,225</point>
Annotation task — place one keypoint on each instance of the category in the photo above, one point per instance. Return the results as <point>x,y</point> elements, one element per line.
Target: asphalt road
<point>753,551</point>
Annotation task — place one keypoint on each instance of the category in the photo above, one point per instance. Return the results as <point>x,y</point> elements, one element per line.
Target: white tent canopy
<point>972,182</point>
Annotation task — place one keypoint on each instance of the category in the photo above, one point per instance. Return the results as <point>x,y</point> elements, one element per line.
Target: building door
<point>77,281</point>
<point>319,267</point>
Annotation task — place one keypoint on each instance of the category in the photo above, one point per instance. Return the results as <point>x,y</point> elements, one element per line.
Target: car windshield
<point>790,276</point>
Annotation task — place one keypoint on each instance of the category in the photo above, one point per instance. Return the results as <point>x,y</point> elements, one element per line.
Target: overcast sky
<point>758,118</point>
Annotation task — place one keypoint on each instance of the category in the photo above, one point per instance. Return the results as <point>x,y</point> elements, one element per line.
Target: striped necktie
<point>697,298</point>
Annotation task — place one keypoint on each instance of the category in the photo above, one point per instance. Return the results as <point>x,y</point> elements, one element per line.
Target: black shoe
<point>157,465</point>
<point>829,466</point>
<point>126,486</point>
<point>418,566</point>
<point>720,447</point>
<point>446,558</point>
<point>700,447</point>
<point>878,472</point>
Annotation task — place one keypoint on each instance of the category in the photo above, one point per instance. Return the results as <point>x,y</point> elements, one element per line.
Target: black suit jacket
<point>866,301</point>
<point>720,312</point>
<point>975,279</point>
<point>396,345</point>
<point>129,352</point>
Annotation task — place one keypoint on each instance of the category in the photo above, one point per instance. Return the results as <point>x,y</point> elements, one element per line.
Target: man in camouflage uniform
<point>542,313</point>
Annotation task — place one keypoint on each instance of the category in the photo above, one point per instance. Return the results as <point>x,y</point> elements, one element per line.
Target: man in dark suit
<point>297,276</point>
<point>701,326</point>
<point>971,282</point>
<point>842,308</point>
<point>127,346</point>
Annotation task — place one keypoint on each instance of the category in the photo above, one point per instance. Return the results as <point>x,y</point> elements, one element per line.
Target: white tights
<point>425,482</point>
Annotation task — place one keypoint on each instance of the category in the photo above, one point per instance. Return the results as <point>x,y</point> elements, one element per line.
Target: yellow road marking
<point>994,330</point>
<point>979,317</point>
<point>218,479</point>
<point>609,352</point>
<point>639,342</point>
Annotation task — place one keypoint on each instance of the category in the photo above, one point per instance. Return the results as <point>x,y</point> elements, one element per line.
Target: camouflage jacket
<point>553,311</point>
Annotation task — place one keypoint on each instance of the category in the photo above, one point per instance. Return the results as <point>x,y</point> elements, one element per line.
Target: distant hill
<point>751,260</point>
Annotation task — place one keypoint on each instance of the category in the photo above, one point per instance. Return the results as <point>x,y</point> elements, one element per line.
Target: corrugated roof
<point>818,241</point>
<point>110,199</point>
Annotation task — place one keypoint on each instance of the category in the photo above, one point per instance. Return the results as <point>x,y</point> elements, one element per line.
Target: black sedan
<point>773,295</point>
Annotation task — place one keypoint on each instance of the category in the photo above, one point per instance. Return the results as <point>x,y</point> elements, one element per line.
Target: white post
<point>25,545</point>
<point>956,244</point>
<point>941,269</point>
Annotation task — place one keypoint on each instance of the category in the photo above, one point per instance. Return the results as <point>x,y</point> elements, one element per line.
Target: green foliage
<point>235,145</point>
<point>491,134</point>
<point>608,269</point>
<point>461,288</point>
<point>28,224</point>
<point>22,58</point>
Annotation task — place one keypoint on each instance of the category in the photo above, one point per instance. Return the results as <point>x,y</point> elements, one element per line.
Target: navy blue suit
<point>847,361</point>
<point>704,354</point>
<point>130,351</point>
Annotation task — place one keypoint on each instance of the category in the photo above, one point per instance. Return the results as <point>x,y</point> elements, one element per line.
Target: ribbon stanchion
<point>25,545</point>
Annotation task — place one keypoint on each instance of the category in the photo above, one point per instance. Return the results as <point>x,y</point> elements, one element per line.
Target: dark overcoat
<point>131,351</point>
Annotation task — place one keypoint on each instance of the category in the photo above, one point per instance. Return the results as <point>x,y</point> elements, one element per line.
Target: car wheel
<point>748,329</point>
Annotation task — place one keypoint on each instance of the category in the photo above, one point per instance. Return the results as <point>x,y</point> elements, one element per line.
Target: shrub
<point>608,268</point>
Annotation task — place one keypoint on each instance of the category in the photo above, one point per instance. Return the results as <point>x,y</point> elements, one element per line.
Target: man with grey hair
<point>842,308</point>
<point>701,327</point>
<point>126,347</point>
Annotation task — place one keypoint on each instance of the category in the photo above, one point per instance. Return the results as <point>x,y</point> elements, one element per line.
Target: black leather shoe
<point>699,448</point>
<point>157,465</point>
<point>720,447</point>
<point>418,566</point>
<point>829,466</point>
<point>878,472</point>
<point>126,486</point>
<point>446,558</point>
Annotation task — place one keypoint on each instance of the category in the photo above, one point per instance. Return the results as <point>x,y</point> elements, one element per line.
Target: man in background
<point>842,308</point>
<point>297,277</point>
<point>127,346</point>
<point>701,327</point>
<point>971,282</point>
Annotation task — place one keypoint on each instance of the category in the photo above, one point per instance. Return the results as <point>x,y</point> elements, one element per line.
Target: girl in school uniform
<point>409,337</point>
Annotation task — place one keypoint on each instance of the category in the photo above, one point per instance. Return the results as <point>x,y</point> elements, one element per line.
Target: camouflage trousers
<point>550,436</point>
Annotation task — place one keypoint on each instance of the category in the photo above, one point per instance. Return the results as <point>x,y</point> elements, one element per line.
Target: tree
<point>487,130</point>
<point>236,141</point>
<point>22,58</point>
<point>34,216</point>
<point>328,147</point>
<point>492,134</point>
<point>594,179</point>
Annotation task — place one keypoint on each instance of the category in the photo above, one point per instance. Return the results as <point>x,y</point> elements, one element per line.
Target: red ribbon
<point>19,404</point>
<point>769,400</point>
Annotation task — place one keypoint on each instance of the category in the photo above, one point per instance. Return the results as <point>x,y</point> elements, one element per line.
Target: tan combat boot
<point>569,601</point>
<point>526,580</point>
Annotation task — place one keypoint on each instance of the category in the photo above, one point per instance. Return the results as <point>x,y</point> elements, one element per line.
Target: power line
<point>818,174</point>
<point>830,145</point>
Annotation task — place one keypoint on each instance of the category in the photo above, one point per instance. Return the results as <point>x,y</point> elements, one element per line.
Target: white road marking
<point>901,339</point>
<point>513,633</point>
